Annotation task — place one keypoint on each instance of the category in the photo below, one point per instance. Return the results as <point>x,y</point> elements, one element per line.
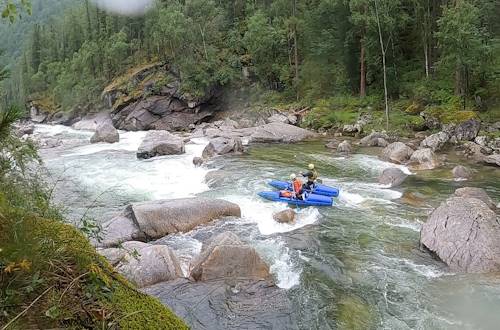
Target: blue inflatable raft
<point>310,200</point>
<point>320,189</point>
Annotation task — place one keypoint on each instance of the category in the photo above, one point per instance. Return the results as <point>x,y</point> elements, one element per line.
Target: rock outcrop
<point>105,132</point>
<point>461,172</point>
<point>160,143</point>
<point>435,141</point>
<point>464,233</point>
<point>392,177</point>
<point>466,131</point>
<point>226,257</point>
<point>154,219</point>
<point>423,159</point>
<point>397,152</point>
<point>479,193</point>
<point>375,139</point>
<point>222,146</point>
<point>285,216</point>
<point>144,264</point>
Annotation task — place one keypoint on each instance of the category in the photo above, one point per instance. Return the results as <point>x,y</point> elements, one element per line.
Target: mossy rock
<point>46,104</point>
<point>78,288</point>
<point>450,115</point>
<point>414,108</point>
<point>353,313</point>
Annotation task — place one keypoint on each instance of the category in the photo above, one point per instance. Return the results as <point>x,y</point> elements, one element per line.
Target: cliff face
<point>150,97</point>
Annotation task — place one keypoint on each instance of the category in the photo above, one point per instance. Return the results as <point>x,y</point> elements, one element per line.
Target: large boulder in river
<point>423,159</point>
<point>492,160</point>
<point>435,141</point>
<point>461,172</point>
<point>392,177</point>
<point>92,121</point>
<point>375,139</point>
<point>479,193</point>
<point>464,233</point>
<point>285,216</point>
<point>105,132</point>
<point>222,146</point>
<point>159,143</point>
<point>226,257</point>
<point>397,152</point>
<point>144,264</point>
<point>280,133</point>
<point>344,147</point>
<point>146,221</point>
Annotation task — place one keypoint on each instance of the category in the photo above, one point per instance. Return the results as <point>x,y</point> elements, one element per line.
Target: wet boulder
<point>375,139</point>
<point>150,220</point>
<point>435,141</point>
<point>479,193</point>
<point>332,144</point>
<point>423,159</point>
<point>474,151</point>
<point>226,257</point>
<point>285,216</point>
<point>90,122</point>
<point>222,146</point>
<point>197,161</point>
<point>461,172</point>
<point>160,143</point>
<point>280,133</point>
<point>105,132</point>
<point>344,147</point>
<point>278,118</point>
<point>464,233</point>
<point>397,152</point>
<point>492,160</point>
<point>392,177</point>
<point>144,264</point>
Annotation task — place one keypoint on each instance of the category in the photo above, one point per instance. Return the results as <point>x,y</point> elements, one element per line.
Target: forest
<point>435,53</point>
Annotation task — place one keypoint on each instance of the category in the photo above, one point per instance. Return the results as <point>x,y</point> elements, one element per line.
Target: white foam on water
<point>375,165</point>
<point>261,212</point>
<point>185,248</point>
<point>412,226</point>
<point>350,199</point>
<point>53,130</point>
<point>129,141</point>
<point>425,270</point>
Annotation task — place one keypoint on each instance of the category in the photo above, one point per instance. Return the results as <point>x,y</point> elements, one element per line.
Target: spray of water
<point>125,7</point>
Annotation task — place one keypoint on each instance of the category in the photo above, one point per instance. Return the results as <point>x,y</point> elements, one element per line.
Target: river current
<point>356,265</point>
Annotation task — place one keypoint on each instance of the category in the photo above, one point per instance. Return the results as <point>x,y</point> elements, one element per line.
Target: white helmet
<point>311,166</point>
<point>293,176</point>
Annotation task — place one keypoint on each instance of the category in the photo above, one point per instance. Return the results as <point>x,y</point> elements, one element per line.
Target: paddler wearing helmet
<point>311,175</point>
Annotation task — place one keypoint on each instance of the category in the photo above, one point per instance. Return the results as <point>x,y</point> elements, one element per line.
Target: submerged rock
<point>423,159</point>
<point>225,257</point>
<point>218,305</point>
<point>479,193</point>
<point>197,161</point>
<point>154,219</point>
<point>280,133</point>
<point>144,264</point>
<point>397,152</point>
<point>392,177</point>
<point>435,141</point>
<point>492,160</point>
<point>461,172</point>
<point>105,132</point>
<point>285,216</point>
<point>464,233</point>
<point>160,143</point>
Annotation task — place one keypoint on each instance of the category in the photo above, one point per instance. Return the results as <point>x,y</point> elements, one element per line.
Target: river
<point>355,265</point>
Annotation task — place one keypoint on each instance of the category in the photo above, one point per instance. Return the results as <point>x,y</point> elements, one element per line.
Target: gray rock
<point>392,177</point>
<point>464,233</point>
<point>105,132</point>
<point>113,255</point>
<point>474,151</point>
<point>226,257</point>
<point>146,221</point>
<point>278,118</point>
<point>482,140</point>
<point>146,264</point>
<point>90,122</point>
<point>423,159</point>
<point>345,147</point>
<point>197,161</point>
<point>37,115</point>
<point>492,160</point>
<point>280,133</point>
<point>461,172</point>
<point>24,129</point>
<point>435,141</point>
<point>479,193</point>
<point>467,131</point>
<point>332,144</point>
<point>285,216</point>
<point>375,139</point>
<point>397,152</point>
<point>222,146</point>
<point>159,143</point>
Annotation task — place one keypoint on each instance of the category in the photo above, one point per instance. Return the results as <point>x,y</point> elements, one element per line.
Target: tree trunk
<point>426,56</point>
<point>362,70</point>
<point>383,50</point>
<point>295,51</point>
